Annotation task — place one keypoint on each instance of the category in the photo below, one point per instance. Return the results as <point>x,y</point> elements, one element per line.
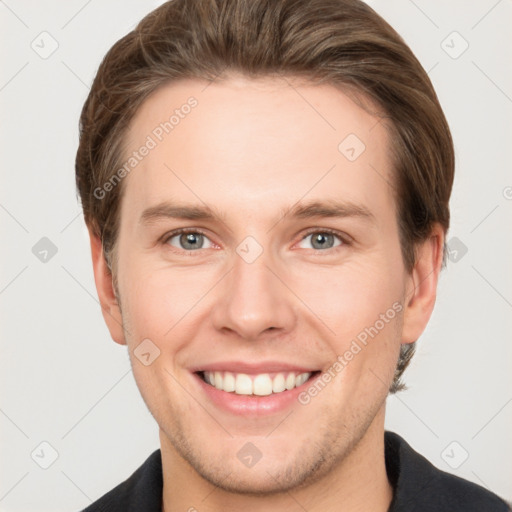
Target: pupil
<point>322,240</point>
<point>191,241</point>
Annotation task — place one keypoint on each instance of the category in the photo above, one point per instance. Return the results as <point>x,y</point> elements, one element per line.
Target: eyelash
<point>344,239</point>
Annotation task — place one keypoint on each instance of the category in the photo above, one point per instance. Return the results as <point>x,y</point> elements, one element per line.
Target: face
<point>262,289</point>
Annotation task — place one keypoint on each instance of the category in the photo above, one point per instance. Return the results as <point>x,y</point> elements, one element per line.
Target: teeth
<point>300,379</point>
<point>278,384</point>
<point>229,383</point>
<point>243,384</point>
<point>260,385</point>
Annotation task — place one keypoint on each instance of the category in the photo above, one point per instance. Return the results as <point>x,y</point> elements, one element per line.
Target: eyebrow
<point>329,209</point>
<point>168,210</point>
<point>326,209</point>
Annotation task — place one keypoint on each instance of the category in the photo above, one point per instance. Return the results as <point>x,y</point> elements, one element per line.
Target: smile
<point>262,384</point>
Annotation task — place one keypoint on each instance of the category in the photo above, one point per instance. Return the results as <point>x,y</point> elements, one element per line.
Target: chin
<point>256,482</point>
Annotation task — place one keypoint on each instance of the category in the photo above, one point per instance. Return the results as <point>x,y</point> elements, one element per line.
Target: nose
<point>253,300</point>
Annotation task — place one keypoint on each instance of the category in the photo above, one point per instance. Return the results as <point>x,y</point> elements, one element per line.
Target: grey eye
<point>190,241</point>
<point>320,240</point>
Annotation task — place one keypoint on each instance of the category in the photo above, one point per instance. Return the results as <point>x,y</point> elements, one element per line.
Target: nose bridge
<point>253,298</point>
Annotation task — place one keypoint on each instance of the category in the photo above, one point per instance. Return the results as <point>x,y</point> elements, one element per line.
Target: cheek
<point>157,300</point>
<point>352,297</point>
<point>361,305</point>
<point>157,306</point>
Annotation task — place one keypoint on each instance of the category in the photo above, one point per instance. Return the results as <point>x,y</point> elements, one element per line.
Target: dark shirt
<point>418,486</point>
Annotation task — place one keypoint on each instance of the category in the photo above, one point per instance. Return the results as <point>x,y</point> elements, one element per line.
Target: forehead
<point>255,145</point>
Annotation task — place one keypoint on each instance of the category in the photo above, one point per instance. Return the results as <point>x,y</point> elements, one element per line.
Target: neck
<point>357,483</point>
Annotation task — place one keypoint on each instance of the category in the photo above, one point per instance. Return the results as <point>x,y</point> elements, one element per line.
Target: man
<point>266,188</point>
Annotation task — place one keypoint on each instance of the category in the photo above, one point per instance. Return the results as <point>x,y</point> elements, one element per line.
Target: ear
<point>421,288</point>
<point>104,286</point>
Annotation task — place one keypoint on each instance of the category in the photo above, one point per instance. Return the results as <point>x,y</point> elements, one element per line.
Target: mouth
<point>258,385</point>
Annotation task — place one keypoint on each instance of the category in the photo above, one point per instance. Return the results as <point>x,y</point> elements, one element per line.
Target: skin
<point>251,150</point>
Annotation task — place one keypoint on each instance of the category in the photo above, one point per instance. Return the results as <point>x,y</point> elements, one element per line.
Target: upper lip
<point>252,368</point>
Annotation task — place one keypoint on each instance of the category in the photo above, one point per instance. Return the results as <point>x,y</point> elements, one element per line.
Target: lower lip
<point>251,405</point>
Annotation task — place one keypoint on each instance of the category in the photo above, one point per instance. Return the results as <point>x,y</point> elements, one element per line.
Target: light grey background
<point>66,383</point>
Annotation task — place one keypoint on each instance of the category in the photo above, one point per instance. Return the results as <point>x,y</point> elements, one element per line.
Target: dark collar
<point>421,487</point>
<point>418,486</point>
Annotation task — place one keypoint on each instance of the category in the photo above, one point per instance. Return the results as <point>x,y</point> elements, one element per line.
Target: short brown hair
<point>339,42</point>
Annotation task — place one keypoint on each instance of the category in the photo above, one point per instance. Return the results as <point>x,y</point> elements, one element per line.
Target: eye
<point>320,240</point>
<point>188,240</point>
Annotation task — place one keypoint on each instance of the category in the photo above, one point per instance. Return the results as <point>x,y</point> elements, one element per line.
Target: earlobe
<point>421,288</point>
<point>104,286</point>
